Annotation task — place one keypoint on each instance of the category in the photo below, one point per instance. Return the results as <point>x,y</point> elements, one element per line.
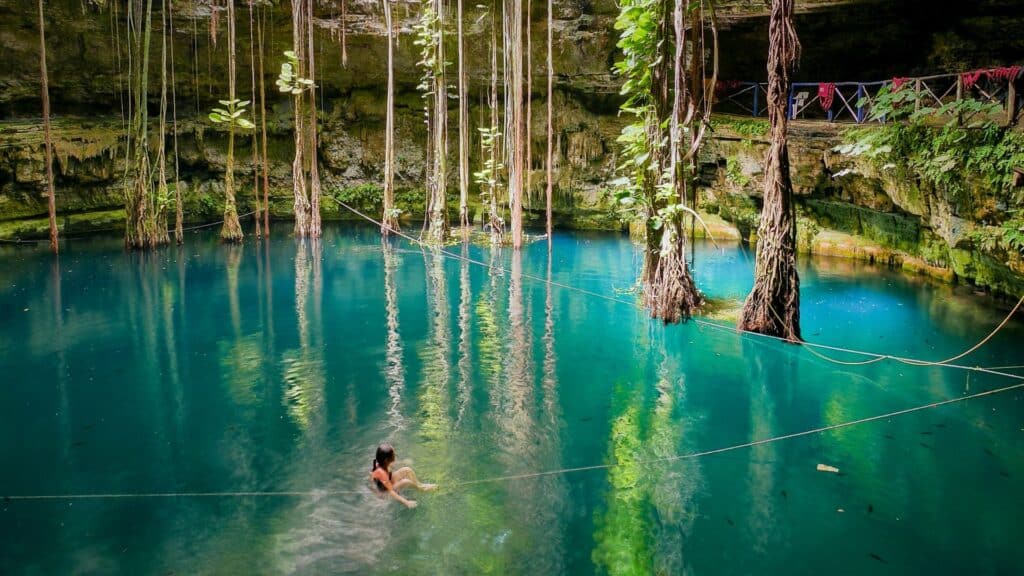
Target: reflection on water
<point>303,368</point>
<point>63,407</point>
<point>465,383</point>
<point>765,533</point>
<point>394,370</point>
<point>649,508</point>
<point>434,398</point>
<point>279,365</point>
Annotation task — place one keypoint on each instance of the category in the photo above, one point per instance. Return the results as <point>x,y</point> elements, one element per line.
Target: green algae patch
<point>67,225</point>
<point>722,309</point>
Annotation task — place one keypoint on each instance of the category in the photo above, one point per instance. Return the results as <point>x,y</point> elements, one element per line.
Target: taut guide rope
<point>874,358</point>
<point>688,456</point>
<point>93,232</point>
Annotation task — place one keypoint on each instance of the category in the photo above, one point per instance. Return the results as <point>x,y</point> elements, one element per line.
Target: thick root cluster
<point>670,292</point>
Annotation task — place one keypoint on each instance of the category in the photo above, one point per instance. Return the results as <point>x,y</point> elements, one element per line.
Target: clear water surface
<point>278,366</point>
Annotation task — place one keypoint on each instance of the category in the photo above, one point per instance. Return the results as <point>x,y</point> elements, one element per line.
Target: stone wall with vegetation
<point>848,207</point>
<point>853,207</point>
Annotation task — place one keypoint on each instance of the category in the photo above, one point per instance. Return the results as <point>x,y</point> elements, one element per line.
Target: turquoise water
<point>278,366</point>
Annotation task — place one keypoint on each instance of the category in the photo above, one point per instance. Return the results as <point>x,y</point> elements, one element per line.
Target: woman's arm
<point>386,482</point>
<point>408,503</point>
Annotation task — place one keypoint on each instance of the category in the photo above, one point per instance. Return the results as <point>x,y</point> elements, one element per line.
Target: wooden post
<point>1011,102</point>
<point>917,91</point>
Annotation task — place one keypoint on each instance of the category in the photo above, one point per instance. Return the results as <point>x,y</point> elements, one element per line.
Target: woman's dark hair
<point>385,455</point>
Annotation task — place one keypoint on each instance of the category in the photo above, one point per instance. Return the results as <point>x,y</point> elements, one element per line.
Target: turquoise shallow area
<point>278,366</point>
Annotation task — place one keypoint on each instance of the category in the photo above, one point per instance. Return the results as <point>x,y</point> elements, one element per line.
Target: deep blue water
<point>278,366</point>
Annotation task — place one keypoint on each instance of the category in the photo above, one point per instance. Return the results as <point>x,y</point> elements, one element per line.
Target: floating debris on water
<point>827,468</point>
<point>877,557</point>
<point>729,520</point>
<point>925,445</point>
<point>871,508</point>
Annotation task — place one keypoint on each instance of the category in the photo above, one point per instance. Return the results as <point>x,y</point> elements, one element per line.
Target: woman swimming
<point>388,482</point>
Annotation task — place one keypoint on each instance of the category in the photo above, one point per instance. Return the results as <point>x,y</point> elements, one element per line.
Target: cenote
<point>277,366</point>
<point>631,287</point>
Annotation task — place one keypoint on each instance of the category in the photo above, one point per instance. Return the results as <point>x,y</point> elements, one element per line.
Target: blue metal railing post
<point>860,109</point>
<point>790,110</point>
<point>757,88</point>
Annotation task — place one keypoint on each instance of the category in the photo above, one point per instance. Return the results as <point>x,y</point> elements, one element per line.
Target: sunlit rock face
<point>842,40</point>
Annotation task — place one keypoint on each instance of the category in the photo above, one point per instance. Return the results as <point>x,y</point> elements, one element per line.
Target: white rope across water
<point>246,494</point>
<point>529,475</point>
<point>94,232</point>
<point>753,443</point>
<point>524,476</point>
<point>873,357</point>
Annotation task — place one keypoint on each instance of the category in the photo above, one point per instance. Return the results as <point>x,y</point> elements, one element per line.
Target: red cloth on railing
<point>971,78</point>
<point>1004,73</point>
<point>898,82</point>
<point>826,93</point>
<point>723,86</point>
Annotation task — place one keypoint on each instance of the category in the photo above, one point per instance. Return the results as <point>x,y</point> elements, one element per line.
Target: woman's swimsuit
<point>380,485</point>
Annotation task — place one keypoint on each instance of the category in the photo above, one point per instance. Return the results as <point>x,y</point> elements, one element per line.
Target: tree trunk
<point>463,136</point>
<point>301,203</point>
<point>263,130</point>
<point>773,306</point>
<point>389,219</point>
<point>314,172</point>
<point>48,143</point>
<point>669,290</point>
<point>161,155</point>
<point>231,231</point>
<point>145,226</point>
<point>516,150</point>
<point>528,121</point>
<point>258,216</point>
<point>179,233</point>
<point>494,220</point>
<point>438,209</point>
<point>551,74</point>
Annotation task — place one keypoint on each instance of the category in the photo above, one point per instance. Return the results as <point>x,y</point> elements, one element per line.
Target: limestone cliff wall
<point>863,214</point>
<point>849,207</point>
